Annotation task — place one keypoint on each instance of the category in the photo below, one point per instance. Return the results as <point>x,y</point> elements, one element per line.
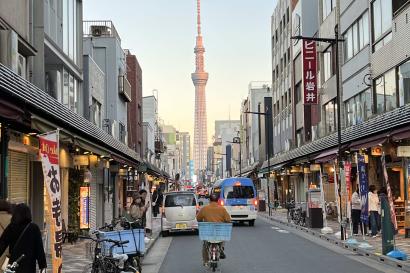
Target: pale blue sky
<point>161,33</point>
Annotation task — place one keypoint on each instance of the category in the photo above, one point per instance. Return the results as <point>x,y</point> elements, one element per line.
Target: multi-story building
<point>281,76</point>
<point>134,76</point>
<point>374,96</point>
<point>102,38</point>
<point>226,131</point>
<point>185,149</point>
<point>47,83</point>
<point>251,130</point>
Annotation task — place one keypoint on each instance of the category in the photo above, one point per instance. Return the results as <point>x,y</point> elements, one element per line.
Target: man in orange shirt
<point>212,213</point>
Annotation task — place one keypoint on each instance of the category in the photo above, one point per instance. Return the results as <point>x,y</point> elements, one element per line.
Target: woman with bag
<point>23,237</point>
<point>5,217</point>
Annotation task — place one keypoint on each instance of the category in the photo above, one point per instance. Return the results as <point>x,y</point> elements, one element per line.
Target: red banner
<point>348,172</point>
<point>310,94</point>
<point>49,153</point>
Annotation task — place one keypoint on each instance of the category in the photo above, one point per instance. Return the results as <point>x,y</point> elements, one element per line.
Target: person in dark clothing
<point>23,237</point>
<point>156,201</point>
<point>143,194</point>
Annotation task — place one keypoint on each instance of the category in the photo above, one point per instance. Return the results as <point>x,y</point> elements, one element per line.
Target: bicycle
<point>11,268</point>
<point>109,263</point>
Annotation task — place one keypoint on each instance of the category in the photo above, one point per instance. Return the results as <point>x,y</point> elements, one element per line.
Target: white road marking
<point>275,228</point>
<point>282,231</point>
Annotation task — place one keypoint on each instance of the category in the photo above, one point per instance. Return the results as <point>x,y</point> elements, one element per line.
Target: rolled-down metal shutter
<point>18,177</point>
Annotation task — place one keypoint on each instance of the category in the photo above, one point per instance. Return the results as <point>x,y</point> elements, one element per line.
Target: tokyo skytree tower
<point>200,78</point>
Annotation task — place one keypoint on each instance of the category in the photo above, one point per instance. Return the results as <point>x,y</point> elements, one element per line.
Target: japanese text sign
<point>310,94</point>
<point>49,153</point>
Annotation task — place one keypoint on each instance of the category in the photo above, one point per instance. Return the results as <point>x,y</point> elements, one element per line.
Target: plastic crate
<point>134,236</point>
<point>215,231</point>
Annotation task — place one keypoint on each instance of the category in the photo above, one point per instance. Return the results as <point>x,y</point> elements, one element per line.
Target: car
<point>179,212</point>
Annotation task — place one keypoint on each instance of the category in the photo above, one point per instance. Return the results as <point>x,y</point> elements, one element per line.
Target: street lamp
<point>267,144</point>
<point>237,140</point>
<point>334,41</point>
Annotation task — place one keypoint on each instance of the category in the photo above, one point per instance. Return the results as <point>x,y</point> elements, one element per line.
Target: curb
<point>375,256</point>
<point>154,239</point>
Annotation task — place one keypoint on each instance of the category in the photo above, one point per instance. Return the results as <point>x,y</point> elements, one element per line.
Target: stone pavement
<point>77,257</point>
<point>402,243</point>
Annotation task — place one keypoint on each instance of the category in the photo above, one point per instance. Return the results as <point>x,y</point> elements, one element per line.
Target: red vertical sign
<point>310,94</point>
<point>348,172</point>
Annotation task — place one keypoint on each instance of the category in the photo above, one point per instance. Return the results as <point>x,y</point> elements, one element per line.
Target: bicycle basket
<point>215,231</point>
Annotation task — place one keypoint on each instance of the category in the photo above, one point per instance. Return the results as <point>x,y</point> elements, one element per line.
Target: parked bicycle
<point>111,263</point>
<point>296,215</point>
<point>290,206</point>
<point>11,268</point>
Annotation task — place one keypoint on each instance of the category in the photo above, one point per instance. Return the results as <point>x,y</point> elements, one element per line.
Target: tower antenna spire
<point>198,19</point>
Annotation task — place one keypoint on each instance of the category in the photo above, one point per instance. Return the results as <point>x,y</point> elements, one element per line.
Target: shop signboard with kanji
<point>49,153</point>
<point>310,93</point>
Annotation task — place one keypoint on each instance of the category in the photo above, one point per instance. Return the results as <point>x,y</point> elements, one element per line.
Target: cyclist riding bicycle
<point>213,213</point>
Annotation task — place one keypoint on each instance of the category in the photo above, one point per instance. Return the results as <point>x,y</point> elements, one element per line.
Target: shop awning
<point>400,134</point>
<point>37,102</point>
<point>326,156</point>
<point>248,169</point>
<point>369,141</point>
<point>264,170</point>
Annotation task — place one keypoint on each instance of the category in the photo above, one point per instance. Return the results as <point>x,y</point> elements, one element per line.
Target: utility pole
<point>334,41</point>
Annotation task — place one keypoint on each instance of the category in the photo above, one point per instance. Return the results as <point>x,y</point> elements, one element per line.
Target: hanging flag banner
<point>364,188</point>
<point>339,218</point>
<point>84,207</point>
<point>389,193</point>
<point>348,172</point>
<point>310,95</point>
<point>49,153</point>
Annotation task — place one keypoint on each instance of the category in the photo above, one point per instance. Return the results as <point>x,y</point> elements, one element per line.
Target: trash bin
<point>262,205</point>
<point>314,214</point>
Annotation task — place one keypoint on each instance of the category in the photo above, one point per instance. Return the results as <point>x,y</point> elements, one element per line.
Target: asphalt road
<point>264,248</point>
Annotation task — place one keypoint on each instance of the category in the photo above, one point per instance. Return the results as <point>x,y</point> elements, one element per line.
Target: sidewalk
<point>402,243</point>
<point>76,257</point>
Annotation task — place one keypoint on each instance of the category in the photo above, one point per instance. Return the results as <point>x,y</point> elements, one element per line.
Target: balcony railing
<point>124,88</point>
<point>100,29</point>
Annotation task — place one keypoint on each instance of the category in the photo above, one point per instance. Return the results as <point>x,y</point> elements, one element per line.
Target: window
<point>70,29</point>
<point>357,36</point>
<point>327,7</point>
<point>382,16</point>
<point>330,116</point>
<point>298,92</point>
<point>71,92</point>
<point>398,4</point>
<point>299,137</point>
<point>96,112</point>
<point>327,64</point>
<point>358,108</point>
<point>404,83</point>
<point>241,192</point>
<point>386,92</point>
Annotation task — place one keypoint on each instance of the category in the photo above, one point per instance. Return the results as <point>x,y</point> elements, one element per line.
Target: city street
<point>266,247</point>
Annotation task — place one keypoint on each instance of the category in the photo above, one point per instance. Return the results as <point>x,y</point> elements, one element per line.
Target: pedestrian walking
<point>5,218</point>
<point>156,201</point>
<point>22,236</point>
<point>143,194</point>
<point>374,205</point>
<point>137,209</point>
<point>356,212</point>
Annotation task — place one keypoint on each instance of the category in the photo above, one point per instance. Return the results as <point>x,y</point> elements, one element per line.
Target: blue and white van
<point>239,196</point>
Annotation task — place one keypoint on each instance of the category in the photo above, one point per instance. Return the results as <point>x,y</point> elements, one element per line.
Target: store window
<point>330,116</point>
<point>382,16</point>
<point>404,83</point>
<point>386,92</point>
<point>327,7</point>
<point>357,36</point>
<point>358,108</point>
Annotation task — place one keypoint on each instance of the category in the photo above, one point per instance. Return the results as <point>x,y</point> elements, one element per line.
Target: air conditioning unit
<point>100,31</point>
<point>115,129</point>
<point>9,53</point>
